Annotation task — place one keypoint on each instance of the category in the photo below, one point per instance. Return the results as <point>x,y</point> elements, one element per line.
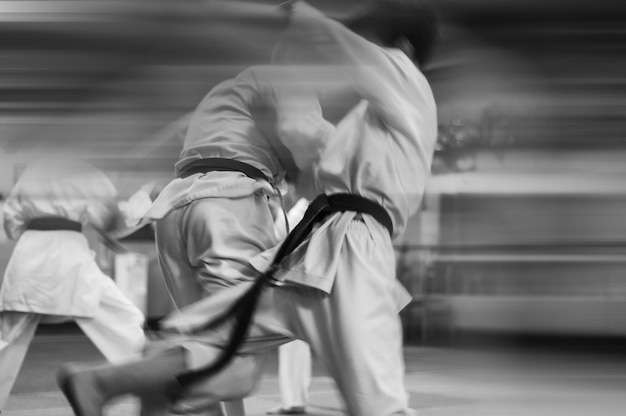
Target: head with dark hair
<point>396,23</point>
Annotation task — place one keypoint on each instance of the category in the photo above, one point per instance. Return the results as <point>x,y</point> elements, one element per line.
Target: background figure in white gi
<point>294,378</point>
<point>52,275</point>
<point>337,290</point>
<point>294,358</point>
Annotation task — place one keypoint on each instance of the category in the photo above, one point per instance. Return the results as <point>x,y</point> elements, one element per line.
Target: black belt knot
<point>213,164</point>
<point>350,202</point>
<point>327,204</point>
<point>54,224</point>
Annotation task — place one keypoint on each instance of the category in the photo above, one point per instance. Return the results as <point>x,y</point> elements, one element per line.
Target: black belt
<point>243,309</point>
<point>54,224</point>
<point>213,164</point>
<point>350,202</point>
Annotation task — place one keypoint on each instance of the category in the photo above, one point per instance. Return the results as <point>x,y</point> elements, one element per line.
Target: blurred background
<point>523,228</point>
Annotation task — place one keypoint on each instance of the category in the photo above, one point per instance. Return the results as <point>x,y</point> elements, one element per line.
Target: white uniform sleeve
<point>13,214</point>
<point>312,37</point>
<point>295,214</point>
<point>300,125</point>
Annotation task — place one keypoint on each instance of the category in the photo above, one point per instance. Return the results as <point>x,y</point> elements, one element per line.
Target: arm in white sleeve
<point>313,37</point>
<point>13,214</point>
<point>295,112</point>
<point>301,128</point>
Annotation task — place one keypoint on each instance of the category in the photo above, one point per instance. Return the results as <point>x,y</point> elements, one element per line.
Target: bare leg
<point>88,389</point>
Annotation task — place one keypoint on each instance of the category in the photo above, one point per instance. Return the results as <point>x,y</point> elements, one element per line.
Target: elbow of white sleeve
<point>12,229</point>
<point>12,220</point>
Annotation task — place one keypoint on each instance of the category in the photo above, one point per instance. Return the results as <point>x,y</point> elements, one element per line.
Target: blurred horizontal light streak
<point>56,11</point>
<point>613,81</point>
<point>36,107</point>
<point>528,258</point>
<point>527,183</point>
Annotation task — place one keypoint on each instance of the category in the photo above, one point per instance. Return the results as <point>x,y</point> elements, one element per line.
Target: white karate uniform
<point>53,275</point>
<point>209,225</point>
<point>340,293</point>
<point>223,217</point>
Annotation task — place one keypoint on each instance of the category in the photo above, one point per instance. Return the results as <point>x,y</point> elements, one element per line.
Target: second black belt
<point>54,224</point>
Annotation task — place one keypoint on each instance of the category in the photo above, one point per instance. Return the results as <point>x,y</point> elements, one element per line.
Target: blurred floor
<point>441,381</point>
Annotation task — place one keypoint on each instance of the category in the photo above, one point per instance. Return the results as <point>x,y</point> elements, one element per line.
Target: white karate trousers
<point>116,330</point>
<point>294,373</point>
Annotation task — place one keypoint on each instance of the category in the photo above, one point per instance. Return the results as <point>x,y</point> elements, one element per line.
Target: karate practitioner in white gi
<point>337,291</point>
<point>215,216</point>
<point>52,274</point>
